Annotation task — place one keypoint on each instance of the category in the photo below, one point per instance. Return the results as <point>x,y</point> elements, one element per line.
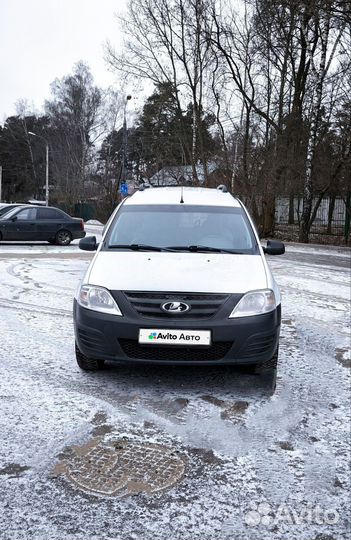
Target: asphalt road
<point>172,453</point>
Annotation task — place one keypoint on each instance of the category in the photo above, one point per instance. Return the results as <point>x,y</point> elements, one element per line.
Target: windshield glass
<point>182,226</point>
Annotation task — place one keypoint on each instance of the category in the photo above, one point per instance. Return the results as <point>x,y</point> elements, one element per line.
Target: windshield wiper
<point>172,249</point>
<point>138,247</point>
<point>205,248</point>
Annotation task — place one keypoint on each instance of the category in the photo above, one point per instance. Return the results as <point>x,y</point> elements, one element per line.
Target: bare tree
<point>325,18</point>
<point>75,126</point>
<point>165,43</point>
<point>233,39</point>
<point>277,59</point>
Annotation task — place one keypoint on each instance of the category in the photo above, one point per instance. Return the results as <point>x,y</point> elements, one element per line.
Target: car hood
<point>179,272</point>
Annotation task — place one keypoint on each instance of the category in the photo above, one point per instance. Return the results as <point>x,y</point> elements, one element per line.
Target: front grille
<point>216,351</point>
<point>202,306</point>
<point>258,345</point>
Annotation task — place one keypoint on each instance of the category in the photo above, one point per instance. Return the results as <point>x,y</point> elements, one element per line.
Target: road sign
<point>123,189</point>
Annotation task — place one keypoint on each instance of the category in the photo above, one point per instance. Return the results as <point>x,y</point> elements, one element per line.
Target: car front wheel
<point>268,372</point>
<point>88,364</point>
<point>270,364</point>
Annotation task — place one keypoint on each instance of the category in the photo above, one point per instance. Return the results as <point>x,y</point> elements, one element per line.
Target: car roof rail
<point>223,188</point>
<point>144,186</point>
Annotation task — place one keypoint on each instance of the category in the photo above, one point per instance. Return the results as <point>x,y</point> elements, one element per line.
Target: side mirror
<point>274,247</point>
<point>14,218</point>
<point>88,243</point>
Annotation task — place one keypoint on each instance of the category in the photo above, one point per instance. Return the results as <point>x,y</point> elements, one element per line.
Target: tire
<point>272,363</point>
<point>63,238</point>
<point>269,381</point>
<point>88,364</point>
<point>268,373</point>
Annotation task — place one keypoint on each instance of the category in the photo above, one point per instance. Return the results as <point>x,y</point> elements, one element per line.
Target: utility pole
<point>0,183</point>
<point>47,175</point>
<point>125,142</point>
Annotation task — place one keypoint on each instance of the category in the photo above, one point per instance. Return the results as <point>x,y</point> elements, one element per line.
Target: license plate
<point>160,336</point>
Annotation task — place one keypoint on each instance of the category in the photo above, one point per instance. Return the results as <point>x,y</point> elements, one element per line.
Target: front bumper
<point>246,340</point>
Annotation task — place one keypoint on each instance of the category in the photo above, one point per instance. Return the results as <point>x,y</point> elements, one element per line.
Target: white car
<point>179,277</point>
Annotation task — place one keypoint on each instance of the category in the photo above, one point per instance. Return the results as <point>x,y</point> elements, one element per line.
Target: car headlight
<point>97,299</point>
<point>254,303</point>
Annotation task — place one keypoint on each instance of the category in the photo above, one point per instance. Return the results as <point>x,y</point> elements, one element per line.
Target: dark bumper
<point>234,341</point>
<point>78,234</point>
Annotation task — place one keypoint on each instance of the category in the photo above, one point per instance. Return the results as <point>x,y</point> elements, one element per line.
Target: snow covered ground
<point>257,466</point>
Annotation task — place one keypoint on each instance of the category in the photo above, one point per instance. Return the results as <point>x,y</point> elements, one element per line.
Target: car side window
<point>27,214</point>
<point>49,213</point>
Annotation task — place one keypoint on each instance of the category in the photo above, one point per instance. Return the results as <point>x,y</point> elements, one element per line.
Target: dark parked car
<point>32,223</point>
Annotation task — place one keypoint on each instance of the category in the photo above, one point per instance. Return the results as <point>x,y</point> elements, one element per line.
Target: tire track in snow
<point>15,304</point>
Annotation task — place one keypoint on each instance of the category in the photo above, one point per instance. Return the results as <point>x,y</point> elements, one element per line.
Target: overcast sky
<point>42,39</point>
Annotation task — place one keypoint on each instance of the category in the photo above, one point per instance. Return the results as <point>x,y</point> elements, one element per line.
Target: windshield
<point>178,226</point>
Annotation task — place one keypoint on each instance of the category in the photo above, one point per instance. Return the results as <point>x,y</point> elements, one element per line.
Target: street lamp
<point>125,142</point>
<point>47,166</point>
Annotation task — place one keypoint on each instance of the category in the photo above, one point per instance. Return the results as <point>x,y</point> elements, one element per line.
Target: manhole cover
<point>121,467</point>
